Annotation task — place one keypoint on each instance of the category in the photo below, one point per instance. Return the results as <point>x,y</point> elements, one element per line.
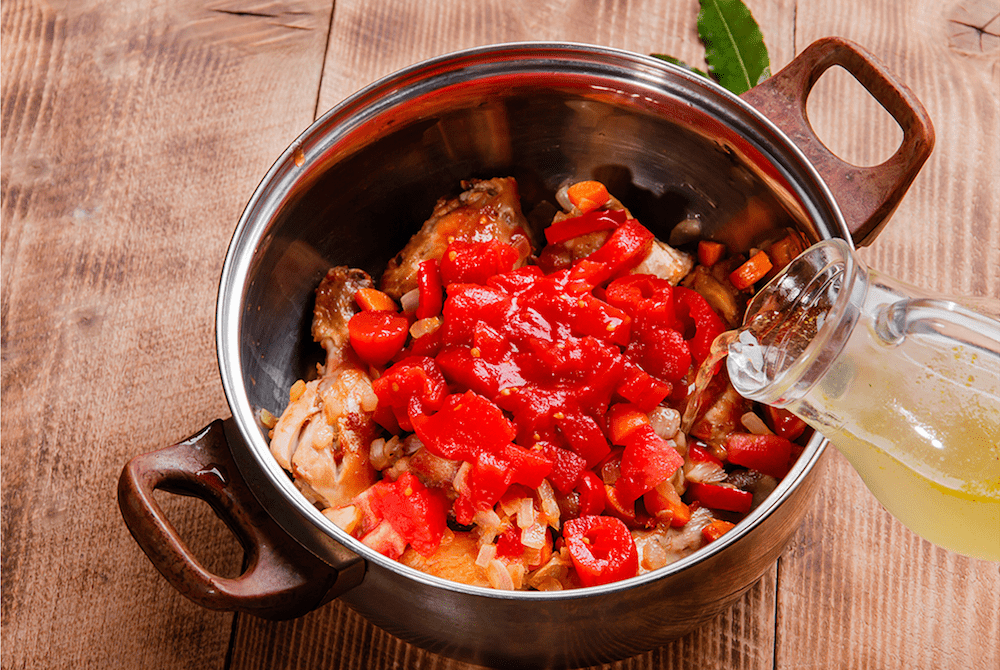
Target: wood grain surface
<point>134,132</point>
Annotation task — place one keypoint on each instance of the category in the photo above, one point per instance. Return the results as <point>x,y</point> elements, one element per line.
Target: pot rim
<point>369,103</point>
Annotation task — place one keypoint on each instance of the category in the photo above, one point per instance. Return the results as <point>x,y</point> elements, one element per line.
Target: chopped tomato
<point>475,262</point>
<point>623,419</point>
<point>417,514</point>
<point>601,548</point>
<point>702,320</point>
<point>648,459</point>
<point>764,453</point>
<point>626,248</point>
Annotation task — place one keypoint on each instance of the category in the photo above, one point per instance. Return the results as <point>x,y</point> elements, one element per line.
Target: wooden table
<point>134,133</point>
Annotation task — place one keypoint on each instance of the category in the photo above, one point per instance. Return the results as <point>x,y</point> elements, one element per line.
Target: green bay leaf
<point>734,45</point>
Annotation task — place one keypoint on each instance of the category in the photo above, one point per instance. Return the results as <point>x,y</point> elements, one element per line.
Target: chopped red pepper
<point>767,453</point>
<point>430,291</point>
<point>648,459</point>
<point>624,418</point>
<point>626,248</point>
<point>642,390</point>
<point>704,322</point>
<point>784,423</point>
<point>601,548</point>
<point>377,336</point>
<point>591,222</point>
<point>718,496</point>
<point>590,490</point>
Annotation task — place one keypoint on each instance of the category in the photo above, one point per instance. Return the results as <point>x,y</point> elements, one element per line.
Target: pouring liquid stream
<point>917,416</point>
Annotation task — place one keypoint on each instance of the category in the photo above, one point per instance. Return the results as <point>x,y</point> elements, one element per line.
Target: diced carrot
<point>752,271</point>
<point>716,529</point>
<point>587,196</point>
<point>710,252</point>
<point>373,300</point>
<point>785,250</point>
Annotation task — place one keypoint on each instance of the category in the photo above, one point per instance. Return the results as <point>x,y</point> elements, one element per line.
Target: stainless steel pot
<point>359,182</point>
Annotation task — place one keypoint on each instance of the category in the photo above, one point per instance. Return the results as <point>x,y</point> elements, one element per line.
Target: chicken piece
<point>665,545</point>
<point>721,418</point>
<point>455,560</point>
<point>486,210</point>
<point>665,262</point>
<point>323,436</point>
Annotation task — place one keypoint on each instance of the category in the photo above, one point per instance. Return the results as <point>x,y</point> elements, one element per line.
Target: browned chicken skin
<point>323,436</point>
<point>486,210</point>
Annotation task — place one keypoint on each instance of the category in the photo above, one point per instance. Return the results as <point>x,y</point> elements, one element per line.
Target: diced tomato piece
<point>430,290</point>
<point>509,543</point>
<point>475,262</point>
<point>706,325</point>
<point>477,374</point>
<point>590,222</point>
<point>718,496</point>
<point>468,304</point>
<point>417,514</point>
<point>584,437</point>
<point>377,336</point>
<point>625,248</point>
<point>648,459</point>
<point>663,353</point>
<point>646,298</point>
<point>698,454</point>
<point>528,466</point>
<point>465,425</point>
<point>767,453</point>
<point>601,548</point>
<point>517,280</point>
<point>586,275</point>
<point>784,423</point>
<point>567,467</point>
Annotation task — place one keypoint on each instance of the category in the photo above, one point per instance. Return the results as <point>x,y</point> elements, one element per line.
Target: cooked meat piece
<point>486,210</point>
<point>455,560</point>
<point>665,262</point>
<point>664,545</point>
<point>335,305</point>
<point>323,436</point>
<point>721,417</point>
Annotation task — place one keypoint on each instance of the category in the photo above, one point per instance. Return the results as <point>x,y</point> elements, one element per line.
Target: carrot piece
<point>587,196</point>
<point>710,252</point>
<point>785,250</point>
<point>373,300</point>
<point>716,529</point>
<point>750,272</point>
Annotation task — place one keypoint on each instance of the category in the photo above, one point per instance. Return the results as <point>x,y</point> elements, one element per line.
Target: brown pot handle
<point>867,196</point>
<point>282,579</point>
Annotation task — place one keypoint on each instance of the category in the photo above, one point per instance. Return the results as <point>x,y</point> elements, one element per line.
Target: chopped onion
<point>526,513</point>
<point>499,578</point>
<point>487,553</point>
<point>754,424</point>
<point>665,421</point>
<point>550,508</point>
<point>534,536</point>
<point>410,300</point>
<point>425,326</point>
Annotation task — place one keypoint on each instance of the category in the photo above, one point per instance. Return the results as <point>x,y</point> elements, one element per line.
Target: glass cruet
<point>904,383</point>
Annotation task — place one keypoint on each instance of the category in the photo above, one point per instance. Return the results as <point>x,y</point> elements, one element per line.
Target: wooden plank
<point>133,134</point>
<point>858,589</point>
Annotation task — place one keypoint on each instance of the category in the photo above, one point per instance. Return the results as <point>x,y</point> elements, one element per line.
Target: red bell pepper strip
<point>690,306</point>
<point>767,453</point>
<point>590,494</point>
<point>430,291</point>
<point>377,336</point>
<point>648,459</point>
<point>626,248</point>
<point>591,222</point>
<point>416,513</point>
<point>622,419</point>
<point>475,262</point>
<point>784,423</point>
<point>601,548</point>
<point>721,497</point>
